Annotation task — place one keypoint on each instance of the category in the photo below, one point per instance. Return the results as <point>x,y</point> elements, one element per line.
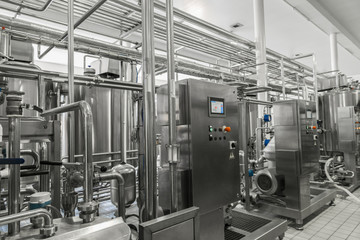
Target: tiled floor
<point>337,223</point>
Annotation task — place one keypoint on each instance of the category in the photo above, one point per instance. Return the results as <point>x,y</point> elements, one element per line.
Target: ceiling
<point>292,27</point>
<point>289,30</point>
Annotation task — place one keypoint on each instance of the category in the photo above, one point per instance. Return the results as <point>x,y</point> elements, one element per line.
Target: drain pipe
<point>121,191</point>
<point>89,207</point>
<point>334,57</point>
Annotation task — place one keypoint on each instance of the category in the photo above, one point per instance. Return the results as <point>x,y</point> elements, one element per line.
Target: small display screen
<point>217,107</point>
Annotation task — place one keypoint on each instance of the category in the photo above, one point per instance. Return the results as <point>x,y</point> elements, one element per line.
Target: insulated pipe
<point>260,51</point>
<point>14,174</point>
<point>121,191</point>
<point>70,46</point>
<point>148,61</point>
<point>172,147</point>
<point>87,120</point>
<point>334,57</point>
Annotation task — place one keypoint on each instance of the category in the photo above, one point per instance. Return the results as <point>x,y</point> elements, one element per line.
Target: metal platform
<point>320,198</point>
<point>250,226</point>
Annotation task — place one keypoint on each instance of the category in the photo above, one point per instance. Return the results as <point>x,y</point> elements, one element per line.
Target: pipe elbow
<point>85,108</point>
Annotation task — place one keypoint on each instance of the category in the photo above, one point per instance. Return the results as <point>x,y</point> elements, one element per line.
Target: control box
<point>208,134</point>
<point>297,149</point>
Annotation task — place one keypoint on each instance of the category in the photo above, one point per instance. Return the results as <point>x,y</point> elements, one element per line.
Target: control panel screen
<point>217,107</point>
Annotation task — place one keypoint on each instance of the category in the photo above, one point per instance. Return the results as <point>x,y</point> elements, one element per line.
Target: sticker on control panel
<point>232,156</point>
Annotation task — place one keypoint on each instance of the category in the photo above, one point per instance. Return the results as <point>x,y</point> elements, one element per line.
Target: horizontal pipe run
<point>102,154</point>
<point>78,22</point>
<point>41,212</point>
<point>31,7</point>
<point>136,56</point>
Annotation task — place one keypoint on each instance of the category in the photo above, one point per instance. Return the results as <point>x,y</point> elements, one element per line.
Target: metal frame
<point>39,130</point>
<point>321,197</point>
<point>148,228</point>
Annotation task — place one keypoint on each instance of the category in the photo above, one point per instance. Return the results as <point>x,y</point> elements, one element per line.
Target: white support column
<point>260,44</point>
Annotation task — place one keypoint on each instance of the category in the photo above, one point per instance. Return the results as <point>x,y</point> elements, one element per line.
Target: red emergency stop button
<point>227,129</point>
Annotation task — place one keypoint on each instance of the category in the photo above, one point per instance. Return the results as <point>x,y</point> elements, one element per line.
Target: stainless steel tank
<point>328,104</point>
<point>129,174</point>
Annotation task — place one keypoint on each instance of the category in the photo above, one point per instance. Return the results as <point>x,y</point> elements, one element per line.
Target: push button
<point>211,137</point>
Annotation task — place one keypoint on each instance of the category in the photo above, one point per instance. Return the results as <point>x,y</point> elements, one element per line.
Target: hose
<point>327,164</point>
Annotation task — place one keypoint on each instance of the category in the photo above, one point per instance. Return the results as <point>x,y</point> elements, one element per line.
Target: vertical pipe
<point>244,135</point>
<point>172,148</point>
<point>315,79</point>
<point>334,57</point>
<point>260,44</point>
<point>123,115</point>
<point>283,78</point>
<point>298,85</point>
<point>44,179</point>
<point>148,60</point>
<point>14,173</point>
<point>259,138</point>
<point>71,142</point>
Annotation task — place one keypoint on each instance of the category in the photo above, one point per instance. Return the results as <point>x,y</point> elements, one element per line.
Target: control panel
<point>207,123</point>
<point>218,133</point>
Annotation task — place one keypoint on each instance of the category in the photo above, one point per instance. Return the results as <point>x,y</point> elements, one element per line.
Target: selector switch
<point>233,144</point>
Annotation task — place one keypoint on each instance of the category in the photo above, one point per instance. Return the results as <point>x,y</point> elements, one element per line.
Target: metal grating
<point>247,222</point>
<point>230,235</point>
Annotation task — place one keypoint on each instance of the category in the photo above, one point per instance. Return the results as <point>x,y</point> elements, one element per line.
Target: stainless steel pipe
<point>71,28</point>
<point>87,121</point>
<point>148,60</point>
<point>32,7</point>
<point>49,228</point>
<point>14,174</point>
<point>172,147</point>
<point>70,46</point>
<point>121,184</point>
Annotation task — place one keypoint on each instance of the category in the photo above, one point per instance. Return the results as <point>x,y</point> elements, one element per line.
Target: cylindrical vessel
<point>329,102</point>
<point>128,172</point>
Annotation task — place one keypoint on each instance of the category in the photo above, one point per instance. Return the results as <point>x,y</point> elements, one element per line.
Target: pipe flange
<point>49,231</point>
<point>87,217</point>
<point>88,211</point>
<point>37,222</point>
<point>88,206</point>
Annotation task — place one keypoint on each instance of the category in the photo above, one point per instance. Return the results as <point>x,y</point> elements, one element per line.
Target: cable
<point>327,164</point>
